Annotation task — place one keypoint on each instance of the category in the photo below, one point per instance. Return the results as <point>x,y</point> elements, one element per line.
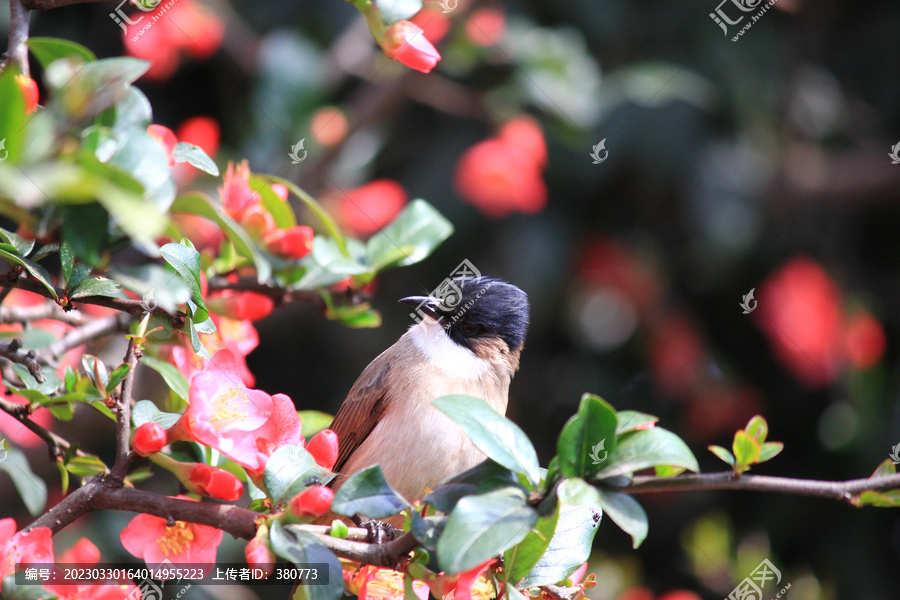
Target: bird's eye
<point>470,329</point>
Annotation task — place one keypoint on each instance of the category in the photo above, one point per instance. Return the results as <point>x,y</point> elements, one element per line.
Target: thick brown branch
<point>11,353</point>
<point>18,36</point>
<point>834,490</point>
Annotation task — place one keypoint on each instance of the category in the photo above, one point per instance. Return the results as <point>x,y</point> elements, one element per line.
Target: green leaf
<point>34,269</point>
<point>587,438</point>
<point>66,259</point>
<point>19,245</point>
<point>648,448</point>
<point>746,450</point>
<point>9,590</point>
<point>302,547</point>
<point>174,378</point>
<point>569,547</point>
<point>47,49</point>
<point>393,11</point>
<point>630,420</point>
<point>368,493</point>
<point>313,421</point>
<point>486,476</point>
<point>280,210</point>
<point>97,286</point>
<point>577,492</point>
<point>770,450</point>
<point>312,204</point>
<point>169,291</point>
<point>85,466</point>
<point>884,499</point>
<point>200,205</point>
<point>290,470</point>
<point>357,316</point>
<point>186,261</point>
<point>723,453</point>
<point>427,530</point>
<point>84,90</point>
<point>887,467</point>
<point>145,411</point>
<point>627,513</point>
<point>411,237</point>
<point>495,435</point>
<point>195,155</point>
<point>521,558</point>
<point>31,488</point>
<point>483,526</point>
<point>12,117</point>
<point>758,429</point>
<point>85,230</point>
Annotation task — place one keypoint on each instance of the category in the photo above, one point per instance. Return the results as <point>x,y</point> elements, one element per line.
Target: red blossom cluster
<point>503,175</point>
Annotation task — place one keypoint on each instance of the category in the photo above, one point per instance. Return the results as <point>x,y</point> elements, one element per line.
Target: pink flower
<point>149,438</point>
<point>486,26</point>
<point>149,538</point>
<point>35,546</point>
<point>236,193</point>
<point>259,555</point>
<point>324,448</point>
<point>406,42</point>
<point>376,583</point>
<point>215,482</point>
<point>240,305</point>
<point>291,242</point>
<point>313,502</point>
<point>84,552</point>
<point>864,340</point>
<point>239,337</point>
<point>245,425</point>
<point>166,138</point>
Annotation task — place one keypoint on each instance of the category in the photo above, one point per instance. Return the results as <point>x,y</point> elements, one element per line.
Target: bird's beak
<point>426,304</point>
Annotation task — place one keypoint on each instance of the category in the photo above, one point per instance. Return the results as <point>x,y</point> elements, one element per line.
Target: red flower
<point>468,585</point>
<point>243,424</point>
<point>799,310</point>
<point>215,482</point>
<point>237,196</point>
<point>170,30</point>
<point>84,552</point>
<point>149,438</point>
<point>369,208</point>
<point>502,175</point>
<point>864,341</point>
<point>258,554</point>
<point>486,26</point>
<point>376,583</point>
<point>434,23</point>
<point>292,242</point>
<point>240,337</point>
<point>149,538</point>
<point>329,126</point>
<point>203,233</point>
<point>258,221</point>
<point>29,92</point>
<point>405,42</point>
<point>166,137</point>
<point>313,501</point>
<point>324,448</point>
<point>240,305</point>
<point>35,546</point>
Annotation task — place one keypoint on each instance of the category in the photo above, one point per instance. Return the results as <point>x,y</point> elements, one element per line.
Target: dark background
<point>726,161</point>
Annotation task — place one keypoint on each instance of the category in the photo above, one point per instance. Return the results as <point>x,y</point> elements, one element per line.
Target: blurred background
<point>719,167</point>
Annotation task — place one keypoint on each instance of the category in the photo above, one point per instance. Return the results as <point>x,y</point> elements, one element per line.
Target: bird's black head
<point>473,307</point>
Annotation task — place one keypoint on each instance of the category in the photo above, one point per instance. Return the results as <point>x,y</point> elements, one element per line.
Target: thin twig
<point>38,312</point>
<point>55,444</point>
<point>82,335</point>
<point>124,455</point>
<point>17,50</point>
<point>833,490</point>
<point>11,353</point>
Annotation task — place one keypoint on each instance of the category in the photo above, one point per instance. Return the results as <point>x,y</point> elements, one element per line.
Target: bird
<point>470,346</point>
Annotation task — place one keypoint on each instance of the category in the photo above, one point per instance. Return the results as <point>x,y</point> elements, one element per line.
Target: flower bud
<point>29,91</point>
<point>292,242</point>
<point>406,42</point>
<point>312,502</point>
<point>215,482</point>
<point>259,555</point>
<point>240,305</point>
<point>149,438</point>
<point>324,448</point>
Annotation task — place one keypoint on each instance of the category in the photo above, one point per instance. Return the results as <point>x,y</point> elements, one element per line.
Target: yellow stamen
<point>177,539</point>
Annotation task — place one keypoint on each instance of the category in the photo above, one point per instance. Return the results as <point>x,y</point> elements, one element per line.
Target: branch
<point>92,330</point>
<point>124,456</point>
<point>126,305</point>
<point>48,310</point>
<point>11,353</point>
<point>833,490</point>
<point>17,51</point>
<point>55,444</point>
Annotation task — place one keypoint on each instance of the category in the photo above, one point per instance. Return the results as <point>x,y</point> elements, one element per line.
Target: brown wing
<point>362,409</point>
